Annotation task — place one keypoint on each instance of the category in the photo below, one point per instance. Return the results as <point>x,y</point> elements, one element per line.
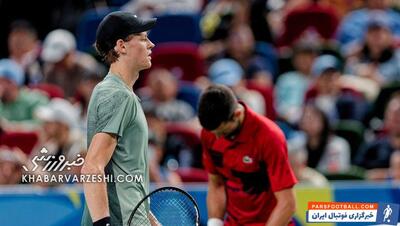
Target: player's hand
<point>153,220</point>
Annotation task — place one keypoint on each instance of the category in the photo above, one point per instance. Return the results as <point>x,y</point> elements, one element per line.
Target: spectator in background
<point>325,152</point>
<point>17,104</point>
<point>308,20</point>
<point>240,46</point>
<point>159,173</point>
<point>229,36</point>
<point>148,8</point>
<point>394,169</point>
<point>82,97</point>
<point>24,48</point>
<point>259,10</point>
<point>376,58</point>
<point>11,162</point>
<point>219,16</point>
<point>228,72</point>
<point>64,65</point>
<point>291,86</point>
<point>354,25</point>
<point>59,135</point>
<point>330,95</point>
<point>375,155</point>
<point>326,89</point>
<point>160,95</point>
<point>298,161</point>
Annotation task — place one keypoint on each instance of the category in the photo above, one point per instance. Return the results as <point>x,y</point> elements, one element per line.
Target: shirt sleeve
<point>207,161</point>
<point>279,170</point>
<point>115,113</point>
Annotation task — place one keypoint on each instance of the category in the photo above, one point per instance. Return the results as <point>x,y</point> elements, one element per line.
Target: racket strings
<point>170,208</point>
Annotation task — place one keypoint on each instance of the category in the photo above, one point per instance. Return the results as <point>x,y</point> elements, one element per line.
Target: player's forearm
<point>95,194</point>
<point>281,214</point>
<point>216,202</point>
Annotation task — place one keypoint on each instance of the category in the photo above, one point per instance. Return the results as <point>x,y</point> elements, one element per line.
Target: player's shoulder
<point>269,128</point>
<point>110,82</point>
<point>111,99</point>
<point>112,88</point>
<point>207,137</point>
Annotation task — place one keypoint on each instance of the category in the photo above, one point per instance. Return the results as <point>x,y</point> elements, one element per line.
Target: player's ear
<point>120,46</point>
<point>237,112</point>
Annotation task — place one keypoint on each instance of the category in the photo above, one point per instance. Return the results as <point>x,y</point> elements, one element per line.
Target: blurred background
<point>326,71</point>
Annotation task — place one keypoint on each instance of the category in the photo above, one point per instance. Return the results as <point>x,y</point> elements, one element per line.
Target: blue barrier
<point>28,205</point>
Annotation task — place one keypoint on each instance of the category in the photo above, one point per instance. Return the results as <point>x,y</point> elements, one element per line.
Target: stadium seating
<point>25,141</point>
<point>184,145</point>
<point>51,90</point>
<point>323,19</point>
<point>181,58</point>
<point>381,101</point>
<point>190,137</point>
<point>190,174</point>
<point>353,132</point>
<point>87,26</point>
<point>176,28</point>
<point>354,173</point>
<point>189,93</point>
<point>267,94</point>
<point>268,52</point>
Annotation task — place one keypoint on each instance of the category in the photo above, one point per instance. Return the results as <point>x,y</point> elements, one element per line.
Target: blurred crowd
<point>326,71</point>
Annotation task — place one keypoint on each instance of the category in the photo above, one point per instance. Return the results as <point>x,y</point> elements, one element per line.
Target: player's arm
<point>216,200</point>
<point>284,209</point>
<point>99,154</point>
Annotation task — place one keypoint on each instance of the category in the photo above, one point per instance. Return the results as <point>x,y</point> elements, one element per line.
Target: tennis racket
<point>166,206</point>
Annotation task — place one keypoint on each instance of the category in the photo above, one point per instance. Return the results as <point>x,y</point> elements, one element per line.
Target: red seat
<point>25,141</point>
<point>51,90</point>
<point>323,19</point>
<point>190,137</point>
<point>181,58</point>
<point>189,140</point>
<point>268,96</point>
<point>192,174</point>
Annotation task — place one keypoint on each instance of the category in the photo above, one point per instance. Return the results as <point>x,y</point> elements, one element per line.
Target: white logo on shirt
<point>247,159</point>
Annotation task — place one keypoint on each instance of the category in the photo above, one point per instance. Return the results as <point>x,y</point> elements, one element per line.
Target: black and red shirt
<point>254,165</point>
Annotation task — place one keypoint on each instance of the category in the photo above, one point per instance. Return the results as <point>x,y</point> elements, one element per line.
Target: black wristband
<point>103,222</point>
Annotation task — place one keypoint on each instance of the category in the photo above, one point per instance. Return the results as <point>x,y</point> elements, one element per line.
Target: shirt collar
<point>116,78</point>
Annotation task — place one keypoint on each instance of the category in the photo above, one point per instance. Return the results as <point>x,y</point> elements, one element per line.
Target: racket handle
<point>215,222</point>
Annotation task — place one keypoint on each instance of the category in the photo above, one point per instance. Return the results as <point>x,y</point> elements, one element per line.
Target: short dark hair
<point>23,25</point>
<point>217,105</point>
<point>111,55</point>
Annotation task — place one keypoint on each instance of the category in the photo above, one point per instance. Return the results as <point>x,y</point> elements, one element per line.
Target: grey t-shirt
<point>115,109</point>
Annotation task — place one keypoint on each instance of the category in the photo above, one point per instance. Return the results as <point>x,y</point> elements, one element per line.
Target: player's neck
<point>127,76</point>
<point>242,115</point>
<point>236,131</point>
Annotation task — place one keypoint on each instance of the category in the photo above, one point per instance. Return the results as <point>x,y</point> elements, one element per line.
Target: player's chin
<point>147,65</point>
<point>148,61</point>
